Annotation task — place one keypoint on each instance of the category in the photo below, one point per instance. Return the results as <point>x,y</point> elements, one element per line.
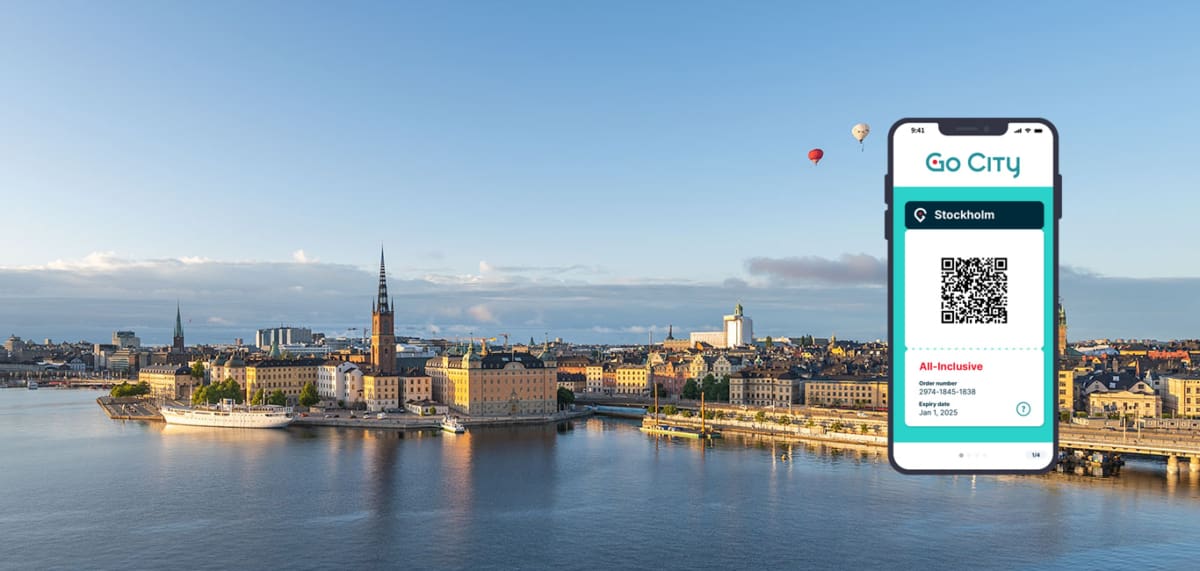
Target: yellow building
<point>495,384</point>
<point>287,375</point>
<point>382,392</point>
<point>1066,390</point>
<point>634,379</point>
<point>417,388</point>
<point>1182,395</point>
<point>759,387</point>
<point>1125,403</point>
<point>847,393</point>
<point>231,368</point>
<point>169,381</point>
<point>595,378</point>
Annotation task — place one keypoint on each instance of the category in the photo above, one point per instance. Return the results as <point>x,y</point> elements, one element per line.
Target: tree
<point>670,410</point>
<point>691,390</point>
<point>686,413</point>
<point>760,416</point>
<point>565,396</point>
<point>769,344</point>
<point>308,394</point>
<point>720,415</point>
<point>198,370</point>
<point>785,420</point>
<point>722,389</point>
<point>258,398</point>
<point>130,390</point>
<point>277,398</point>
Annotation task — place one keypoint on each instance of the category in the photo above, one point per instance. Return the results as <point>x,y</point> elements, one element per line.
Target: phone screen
<point>973,268</point>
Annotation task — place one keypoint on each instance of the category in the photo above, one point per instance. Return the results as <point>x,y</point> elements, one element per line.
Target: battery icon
<point>1037,130</point>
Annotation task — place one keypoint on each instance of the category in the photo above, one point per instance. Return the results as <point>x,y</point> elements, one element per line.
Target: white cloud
<point>482,313</point>
<point>219,321</point>
<point>301,258</point>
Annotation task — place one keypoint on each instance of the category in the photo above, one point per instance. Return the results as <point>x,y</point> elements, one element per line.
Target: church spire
<point>177,340</point>
<point>382,305</point>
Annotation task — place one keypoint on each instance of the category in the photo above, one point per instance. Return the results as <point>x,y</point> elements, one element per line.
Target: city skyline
<point>593,171</point>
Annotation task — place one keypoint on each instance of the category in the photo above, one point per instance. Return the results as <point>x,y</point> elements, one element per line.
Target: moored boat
<point>452,424</point>
<point>227,414</point>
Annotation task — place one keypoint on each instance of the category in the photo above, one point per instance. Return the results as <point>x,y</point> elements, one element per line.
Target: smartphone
<point>972,226</point>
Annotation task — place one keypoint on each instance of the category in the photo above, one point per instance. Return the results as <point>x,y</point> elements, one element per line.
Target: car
<point>330,416</point>
<point>381,415</point>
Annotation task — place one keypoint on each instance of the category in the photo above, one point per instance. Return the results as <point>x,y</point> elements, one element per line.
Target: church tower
<point>1062,331</point>
<point>177,341</point>
<point>383,330</point>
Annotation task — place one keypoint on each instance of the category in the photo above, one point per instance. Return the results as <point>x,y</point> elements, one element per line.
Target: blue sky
<point>518,155</point>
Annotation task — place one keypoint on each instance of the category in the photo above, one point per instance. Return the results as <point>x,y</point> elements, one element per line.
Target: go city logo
<point>977,162</point>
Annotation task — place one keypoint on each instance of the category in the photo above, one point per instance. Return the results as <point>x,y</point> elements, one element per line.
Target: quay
<point>130,408</point>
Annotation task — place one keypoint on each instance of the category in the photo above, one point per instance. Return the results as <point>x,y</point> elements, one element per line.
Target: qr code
<point>974,290</point>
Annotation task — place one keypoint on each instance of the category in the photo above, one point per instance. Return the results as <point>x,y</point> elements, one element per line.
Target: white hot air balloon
<point>860,132</point>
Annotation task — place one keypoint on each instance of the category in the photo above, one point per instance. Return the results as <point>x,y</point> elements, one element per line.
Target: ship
<point>227,414</point>
<point>452,424</point>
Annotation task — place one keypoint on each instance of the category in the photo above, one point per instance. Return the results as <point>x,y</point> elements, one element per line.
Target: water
<point>78,490</point>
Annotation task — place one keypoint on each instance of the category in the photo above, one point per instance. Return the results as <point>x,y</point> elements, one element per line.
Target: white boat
<point>32,385</point>
<point>452,424</point>
<point>230,415</point>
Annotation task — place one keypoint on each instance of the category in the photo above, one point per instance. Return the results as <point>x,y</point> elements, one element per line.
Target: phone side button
<point>887,224</point>
<point>1058,201</point>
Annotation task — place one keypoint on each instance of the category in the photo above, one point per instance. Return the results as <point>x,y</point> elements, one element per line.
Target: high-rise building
<point>126,340</point>
<point>177,342</point>
<point>739,329</point>
<point>283,336</point>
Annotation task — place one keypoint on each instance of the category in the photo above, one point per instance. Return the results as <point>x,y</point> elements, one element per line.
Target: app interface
<point>972,285</point>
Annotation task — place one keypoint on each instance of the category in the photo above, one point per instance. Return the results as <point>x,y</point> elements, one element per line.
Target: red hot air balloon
<point>815,155</point>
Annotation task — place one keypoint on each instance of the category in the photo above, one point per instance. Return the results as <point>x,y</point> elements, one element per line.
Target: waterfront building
<point>232,367</point>
<point>1182,395</point>
<point>283,336</point>
<point>765,387</point>
<point>1126,403</point>
<point>417,388</point>
<point>382,392</point>
<point>169,381</point>
<point>494,384</point>
<point>595,378</point>
<point>864,393</point>
<point>340,381</point>
<point>287,375</point>
<point>126,340</point>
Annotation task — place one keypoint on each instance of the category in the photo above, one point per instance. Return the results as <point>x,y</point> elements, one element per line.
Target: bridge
<point>1172,446</point>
